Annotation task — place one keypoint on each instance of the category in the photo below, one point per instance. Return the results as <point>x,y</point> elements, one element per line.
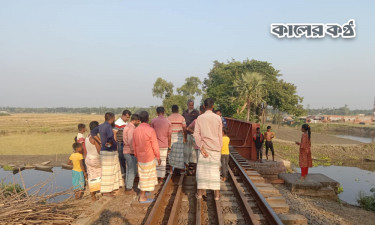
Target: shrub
<point>367,201</point>
<point>340,190</point>
<point>7,168</point>
<point>9,189</point>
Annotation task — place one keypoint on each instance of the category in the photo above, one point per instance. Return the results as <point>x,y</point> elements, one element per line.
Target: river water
<point>352,179</point>
<point>358,138</point>
<point>59,180</point>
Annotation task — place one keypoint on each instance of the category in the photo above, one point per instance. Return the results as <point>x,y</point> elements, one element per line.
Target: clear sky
<point>76,53</point>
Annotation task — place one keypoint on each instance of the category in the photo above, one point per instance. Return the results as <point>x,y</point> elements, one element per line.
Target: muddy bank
<point>345,129</point>
<point>294,134</point>
<point>322,211</point>
<point>56,160</point>
<point>325,155</point>
<point>349,130</point>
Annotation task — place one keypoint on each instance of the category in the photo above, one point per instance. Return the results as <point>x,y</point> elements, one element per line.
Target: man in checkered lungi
<point>176,156</point>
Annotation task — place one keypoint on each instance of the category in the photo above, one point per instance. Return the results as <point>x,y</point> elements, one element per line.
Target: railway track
<point>240,202</point>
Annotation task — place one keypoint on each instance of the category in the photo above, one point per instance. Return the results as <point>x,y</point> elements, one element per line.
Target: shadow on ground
<point>106,216</point>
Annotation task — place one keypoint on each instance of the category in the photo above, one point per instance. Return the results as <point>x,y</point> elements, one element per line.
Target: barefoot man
<point>146,149</point>
<point>208,134</point>
<point>111,179</point>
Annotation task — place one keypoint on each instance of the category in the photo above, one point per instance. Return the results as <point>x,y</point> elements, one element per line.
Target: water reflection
<point>358,138</point>
<point>59,180</point>
<point>352,179</point>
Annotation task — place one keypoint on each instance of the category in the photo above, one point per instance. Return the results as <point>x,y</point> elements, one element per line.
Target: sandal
<point>149,200</point>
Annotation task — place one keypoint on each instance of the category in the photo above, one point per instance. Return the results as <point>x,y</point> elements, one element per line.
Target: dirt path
<point>124,209</point>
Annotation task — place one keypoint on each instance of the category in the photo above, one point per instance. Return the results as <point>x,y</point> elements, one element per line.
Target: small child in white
<point>81,133</point>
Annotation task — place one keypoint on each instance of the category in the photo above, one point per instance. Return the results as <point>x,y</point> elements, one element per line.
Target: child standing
<point>81,139</point>
<point>269,135</point>
<point>258,138</point>
<point>78,172</point>
<point>225,154</point>
<point>81,131</point>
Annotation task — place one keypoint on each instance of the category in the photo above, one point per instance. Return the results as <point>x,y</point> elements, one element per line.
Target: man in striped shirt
<point>120,124</point>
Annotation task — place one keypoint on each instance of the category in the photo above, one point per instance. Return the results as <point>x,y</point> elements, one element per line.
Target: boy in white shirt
<point>81,130</point>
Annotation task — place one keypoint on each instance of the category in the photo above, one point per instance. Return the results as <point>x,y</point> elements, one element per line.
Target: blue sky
<point>109,53</point>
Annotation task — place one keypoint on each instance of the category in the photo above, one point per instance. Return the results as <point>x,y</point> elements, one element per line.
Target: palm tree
<point>250,89</point>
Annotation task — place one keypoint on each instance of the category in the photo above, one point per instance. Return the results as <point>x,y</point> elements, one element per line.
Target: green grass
<point>7,168</point>
<point>9,189</point>
<point>367,201</point>
<point>340,190</point>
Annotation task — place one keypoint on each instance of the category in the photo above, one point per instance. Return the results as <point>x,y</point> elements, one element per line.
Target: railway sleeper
<point>272,196</point>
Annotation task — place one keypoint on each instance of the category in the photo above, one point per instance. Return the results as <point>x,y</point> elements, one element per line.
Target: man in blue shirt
<point>218,112</point>
<point>111,179</point>
<point>106,133</point>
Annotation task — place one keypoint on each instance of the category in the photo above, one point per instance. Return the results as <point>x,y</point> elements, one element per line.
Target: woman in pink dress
<point>305,160</point>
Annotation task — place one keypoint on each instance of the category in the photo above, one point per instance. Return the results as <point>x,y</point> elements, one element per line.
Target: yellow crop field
<point>41,134</point>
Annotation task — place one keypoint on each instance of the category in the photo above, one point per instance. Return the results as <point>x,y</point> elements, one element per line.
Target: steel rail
<point>198,212</point>
<point>267,211</point>
<point>219,211</point>
<point>176,204</point>
<point>251,217</point>
<point>168,184</point>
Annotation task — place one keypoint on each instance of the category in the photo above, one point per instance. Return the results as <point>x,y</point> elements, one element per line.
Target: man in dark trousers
<point>258,139</point>
<point>269,135</point>
<point>190,115</point>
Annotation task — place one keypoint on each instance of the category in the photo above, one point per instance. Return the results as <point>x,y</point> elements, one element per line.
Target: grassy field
<point>41,134</point>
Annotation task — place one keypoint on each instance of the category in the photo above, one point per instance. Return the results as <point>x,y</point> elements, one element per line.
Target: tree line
<point>243,90</point>
<point>85,110</point>
<point>342,111</point>
<point>248,89</point>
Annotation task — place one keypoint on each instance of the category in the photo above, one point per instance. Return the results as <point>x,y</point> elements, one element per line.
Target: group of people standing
<point>133,145</point>
<point>259,139</point>
<point>305,160</point>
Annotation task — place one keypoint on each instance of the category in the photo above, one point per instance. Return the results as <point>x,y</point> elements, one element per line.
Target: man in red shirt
<point>128,151</point>
<point>146,149</point>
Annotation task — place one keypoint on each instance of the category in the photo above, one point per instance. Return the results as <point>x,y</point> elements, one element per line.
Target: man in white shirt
<point>120,124</point>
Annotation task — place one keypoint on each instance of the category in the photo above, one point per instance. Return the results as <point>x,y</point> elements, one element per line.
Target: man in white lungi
<point>208,134</point>
<point>163,129</point>
<point>146,149</point>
